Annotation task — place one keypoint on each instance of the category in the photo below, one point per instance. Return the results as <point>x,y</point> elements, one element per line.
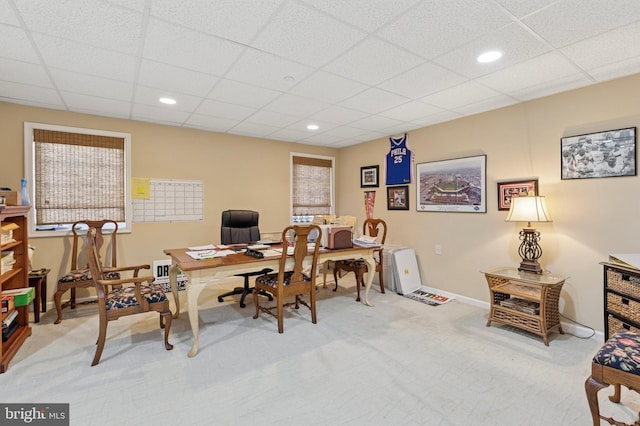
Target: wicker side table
<point>525,300</point>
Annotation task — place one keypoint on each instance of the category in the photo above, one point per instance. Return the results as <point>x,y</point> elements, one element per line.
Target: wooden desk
<point>525,300</point>
<point>212,271</point>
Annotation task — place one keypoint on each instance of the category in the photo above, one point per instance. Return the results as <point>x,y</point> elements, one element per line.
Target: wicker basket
<point>615,324</point>
<point>624,307</point>
<point>623,282</point>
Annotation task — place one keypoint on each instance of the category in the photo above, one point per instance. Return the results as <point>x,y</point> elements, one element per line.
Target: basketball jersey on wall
<point>399,162</point>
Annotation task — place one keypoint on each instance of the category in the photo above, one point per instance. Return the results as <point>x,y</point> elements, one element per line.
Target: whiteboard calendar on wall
<point>167,200</point>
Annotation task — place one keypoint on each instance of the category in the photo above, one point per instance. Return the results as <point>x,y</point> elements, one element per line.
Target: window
<point>311,186</point>
<point>75,174</point>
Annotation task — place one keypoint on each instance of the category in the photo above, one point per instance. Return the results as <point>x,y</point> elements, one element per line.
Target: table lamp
<point>529,209</point>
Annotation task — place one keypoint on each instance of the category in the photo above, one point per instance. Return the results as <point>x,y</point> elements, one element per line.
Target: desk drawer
<point>623,306</point>
<point>623,282</point>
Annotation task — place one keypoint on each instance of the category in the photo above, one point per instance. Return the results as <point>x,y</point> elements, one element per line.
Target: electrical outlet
<point>438,249</point>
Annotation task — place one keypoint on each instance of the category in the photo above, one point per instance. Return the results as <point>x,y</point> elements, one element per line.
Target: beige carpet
<point>400,362</point>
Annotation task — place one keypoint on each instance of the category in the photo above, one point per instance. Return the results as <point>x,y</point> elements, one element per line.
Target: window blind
<point>78,176</point>
<point>311,186</point>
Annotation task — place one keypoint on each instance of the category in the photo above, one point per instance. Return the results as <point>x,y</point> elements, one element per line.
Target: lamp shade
<point>528,209</point>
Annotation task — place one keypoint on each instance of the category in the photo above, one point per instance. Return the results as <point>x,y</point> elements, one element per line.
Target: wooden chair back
<point>106,229</point>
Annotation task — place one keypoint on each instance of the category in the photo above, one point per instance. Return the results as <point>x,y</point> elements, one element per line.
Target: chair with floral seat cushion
<point>80,276</point>
<point>617,363</point>
<point>125,296</point>
<point>373,228</point>
<point>291,281</point>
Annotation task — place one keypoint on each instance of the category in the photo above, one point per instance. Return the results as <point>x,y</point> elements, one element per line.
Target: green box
<point>21,296</point>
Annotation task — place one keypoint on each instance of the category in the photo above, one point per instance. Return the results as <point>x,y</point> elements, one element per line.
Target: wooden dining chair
<point>291,281</point>
<point>373,228</point>
<point>124,296</point>
<point>79,275</point>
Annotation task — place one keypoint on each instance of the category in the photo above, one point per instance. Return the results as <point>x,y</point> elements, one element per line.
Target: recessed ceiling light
<point>168,101</point>
<point>490,56</point>
<point>313,127</point>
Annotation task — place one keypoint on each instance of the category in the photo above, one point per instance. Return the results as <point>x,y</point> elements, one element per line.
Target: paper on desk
<point>290,250</point>
<point>209,254</point>
<point>258,247</point>
<point>206,247</point>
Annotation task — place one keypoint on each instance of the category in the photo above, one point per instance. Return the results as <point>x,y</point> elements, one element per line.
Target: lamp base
<point>530,266</point>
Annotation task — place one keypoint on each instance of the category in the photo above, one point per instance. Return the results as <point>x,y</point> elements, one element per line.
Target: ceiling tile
<point>565,22</point>
<point>175,79</point>
<point>273,70</point>
<point>346,132</point>
<point>295,105</point>
<point>96,105</point>
<point>289,135</point>
<point>534,72</point>
<point>439,117</point>
<point>73,82</point>
<point>410,111</point>
<point>207,122</point>
<point>327,87</point>
<point>431,29</point>
<point>596,52</point>
<point>373,101</point>
<point>16,45</point>
<point>375,123</point>
<point>296,27</point>
<point>373,61</point>
<point>323,139</point>
<point>483,105</point>
<point>151,96</point>
<point>521,8</point>
<point>158,114</point>
<point>236,20</point>
<point>616,70</point>
<point>515,43</point>
<point>24,92</point>
<point>422,80</point>
<point>272,118</point>
<point>224,110</point>
<point>90,22</point>
<point>234,92</point>
<point>80,58</point>
<point>368,15</point>
<point>460,95</point>
<point>6,14</point>
<point>22,72</point>
<point>339,115</point>
<point>189,49</point>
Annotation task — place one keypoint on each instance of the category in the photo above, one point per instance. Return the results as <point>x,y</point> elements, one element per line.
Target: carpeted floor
<point>400,362</point>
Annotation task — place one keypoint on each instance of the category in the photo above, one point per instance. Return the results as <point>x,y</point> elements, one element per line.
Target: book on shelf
<point>630,260</point>
<point>9,319</point>
<point>521,305</point>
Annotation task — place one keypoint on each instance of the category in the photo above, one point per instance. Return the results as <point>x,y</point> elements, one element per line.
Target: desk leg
<point>193,292</point>
<point>173,281</point>
<point>371,263</point>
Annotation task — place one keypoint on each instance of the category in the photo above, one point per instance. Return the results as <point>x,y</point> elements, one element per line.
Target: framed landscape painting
<point>457,185</point>
<point>596,155</point>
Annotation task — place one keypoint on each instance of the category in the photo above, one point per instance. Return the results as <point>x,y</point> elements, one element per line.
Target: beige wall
<point>592,217</point>
<point>238,173</point>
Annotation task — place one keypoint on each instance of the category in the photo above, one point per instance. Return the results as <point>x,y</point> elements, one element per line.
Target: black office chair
<point>241,227</point>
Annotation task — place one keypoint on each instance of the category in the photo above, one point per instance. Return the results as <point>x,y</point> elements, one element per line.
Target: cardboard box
<point>7,304</point>
<point>21,296</point>
<point>12,198</point>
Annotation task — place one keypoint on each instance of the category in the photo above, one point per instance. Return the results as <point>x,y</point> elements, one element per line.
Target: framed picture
<point>596,155</point>
<point>398,197</point>
<point>457,185</point>
<point>369,176</point>
<point>516,188</point>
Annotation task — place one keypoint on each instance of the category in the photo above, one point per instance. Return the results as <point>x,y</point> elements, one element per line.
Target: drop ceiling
<point>359,69</point>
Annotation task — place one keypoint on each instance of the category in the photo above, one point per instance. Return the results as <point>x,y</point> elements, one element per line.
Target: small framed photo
<point>597,155</point>
<point>398,197</point>
<point>516,188</point>
<point>369,176</point>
